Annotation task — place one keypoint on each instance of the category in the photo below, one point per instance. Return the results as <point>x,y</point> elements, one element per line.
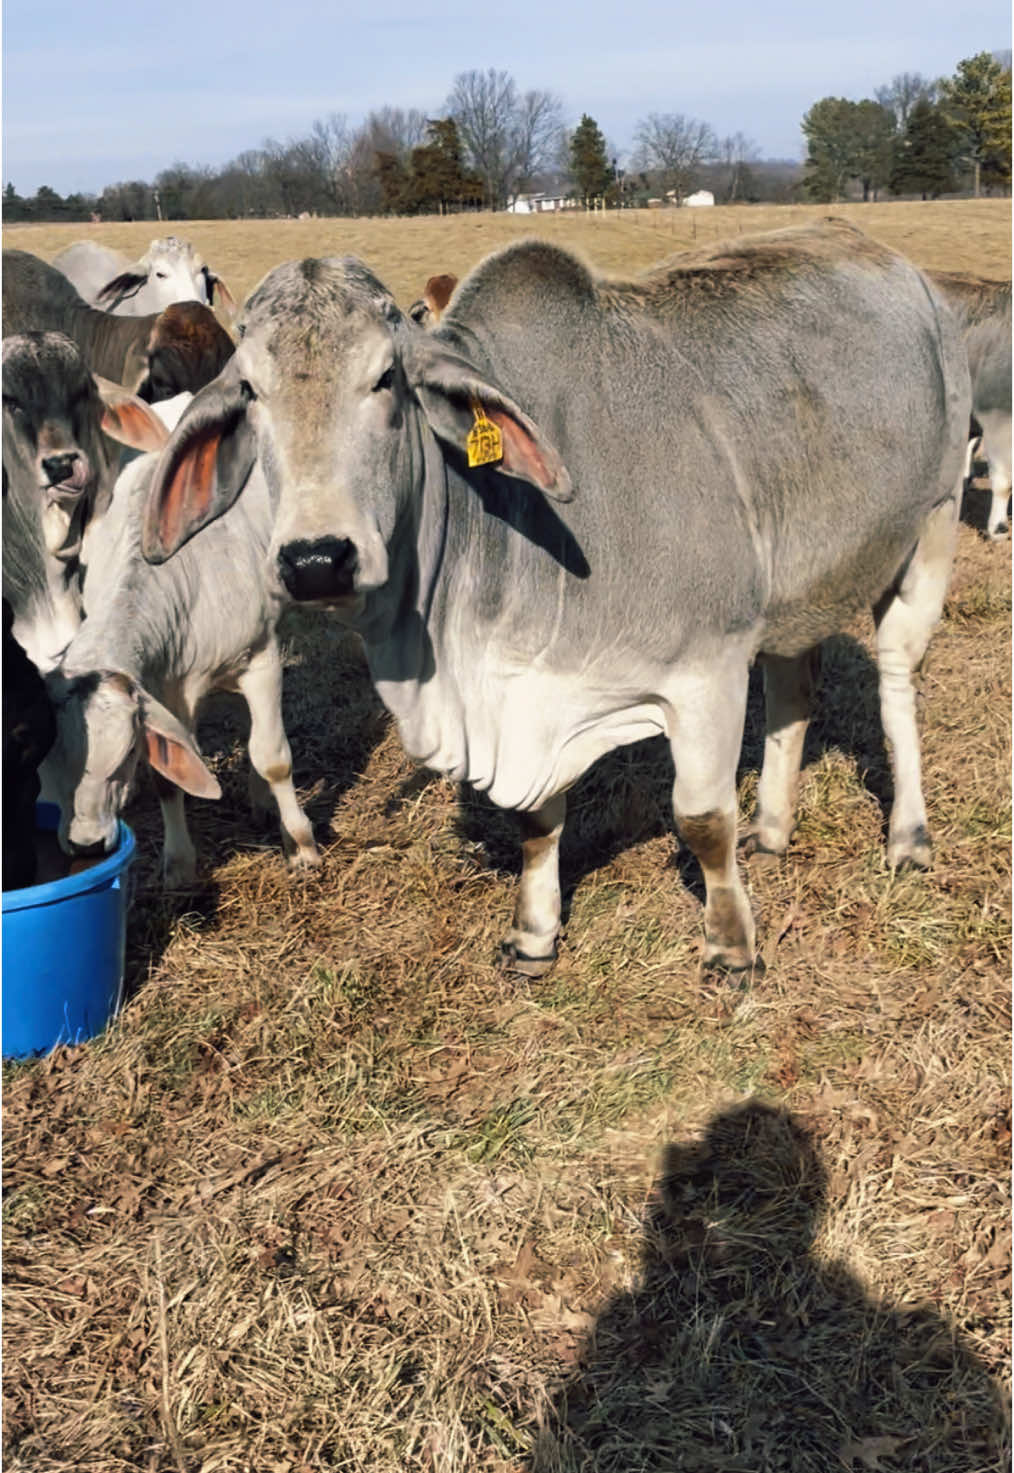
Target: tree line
<point>492,141</point>
<point>915,136</point>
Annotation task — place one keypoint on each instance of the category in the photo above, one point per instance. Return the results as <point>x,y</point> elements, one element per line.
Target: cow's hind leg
<point>788,690</point>
<point>905,617</point>
<point>706,731</point>
<point>270,754</point>
<point>530,947</point>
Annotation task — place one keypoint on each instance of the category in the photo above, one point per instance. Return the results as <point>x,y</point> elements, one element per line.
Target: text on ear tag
<point>485,442</point>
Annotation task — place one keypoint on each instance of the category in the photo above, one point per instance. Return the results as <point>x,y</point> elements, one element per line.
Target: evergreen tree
<point>996,166</point>
<point>874,127</point>
<point>832,148</point>
<point>976,101</point>
<point>924,155</point>
<point>439,180</point>
<point>394,184</point>
<point>588,162</point>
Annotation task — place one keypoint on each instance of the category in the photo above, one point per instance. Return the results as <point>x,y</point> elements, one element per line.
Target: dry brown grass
<point>335,1194</point>
<point>949,235</point>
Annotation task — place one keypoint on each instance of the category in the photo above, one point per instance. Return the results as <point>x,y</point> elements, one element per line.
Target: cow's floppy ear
<point>437,293</point>
<point>225,296</point>
<point>202,469</point>
<point>450,389</point>
<point>123,285</point>
<point>127,419</point>
<point>171,750</point>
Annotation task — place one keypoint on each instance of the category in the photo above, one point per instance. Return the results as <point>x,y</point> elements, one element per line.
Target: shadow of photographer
<point>741,1352</point>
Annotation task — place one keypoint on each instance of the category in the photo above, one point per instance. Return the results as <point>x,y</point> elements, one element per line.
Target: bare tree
<point>538,132</point>
<point>507,137</point>
<point>484,104</point>
<point>903,92</point>
<point>396,131</point>
<point>674,147</point>
<point>735,152</point>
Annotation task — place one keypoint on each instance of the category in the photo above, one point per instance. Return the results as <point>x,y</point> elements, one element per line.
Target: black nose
<point>59,468</point>
<point>323,569</point>
<point>88,851</point>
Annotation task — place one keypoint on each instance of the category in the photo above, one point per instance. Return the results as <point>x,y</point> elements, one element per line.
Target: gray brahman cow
<point>155,642</point>
<point>177,350</point>
<point>170,270</point>
<point>58,472</point>
<point>720,461</point>
<point>984,308</point>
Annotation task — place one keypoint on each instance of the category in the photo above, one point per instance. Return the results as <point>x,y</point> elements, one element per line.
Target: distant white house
<point>538,204</point>
<point>700,197</point>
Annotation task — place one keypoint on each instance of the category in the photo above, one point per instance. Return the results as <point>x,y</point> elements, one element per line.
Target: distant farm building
<point>539,204</point>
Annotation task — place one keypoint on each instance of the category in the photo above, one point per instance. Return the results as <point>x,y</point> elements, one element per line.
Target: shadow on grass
<point>741,1351</point>
<point>625,798</point>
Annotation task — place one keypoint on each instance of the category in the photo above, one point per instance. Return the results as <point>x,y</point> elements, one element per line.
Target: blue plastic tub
<point>63,949</point>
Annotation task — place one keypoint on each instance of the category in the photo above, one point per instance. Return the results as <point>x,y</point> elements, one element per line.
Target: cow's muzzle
<point>68,470</point>
<point>320,571</point>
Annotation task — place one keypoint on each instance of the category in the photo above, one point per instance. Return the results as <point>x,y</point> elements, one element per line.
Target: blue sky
<point>95,93</point>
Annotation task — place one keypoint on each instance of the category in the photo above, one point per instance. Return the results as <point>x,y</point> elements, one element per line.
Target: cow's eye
<point>246,389</point>
<point>12,405</point>
<point>385,381</point>
<point>162,275</point>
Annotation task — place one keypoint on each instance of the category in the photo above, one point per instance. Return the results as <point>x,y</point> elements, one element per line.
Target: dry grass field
<point>335,1193</point>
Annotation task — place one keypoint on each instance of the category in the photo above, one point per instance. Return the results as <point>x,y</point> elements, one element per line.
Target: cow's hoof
<point>999,534</point>
<point>732,959</point>
<point>518,963</point>
<point>752,846</point>
<point>910,851</point>
<point>304,861</point>
<point>179,875</point>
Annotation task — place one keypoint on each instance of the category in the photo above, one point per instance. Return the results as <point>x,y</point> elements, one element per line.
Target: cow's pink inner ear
<point>189,490</point>
<point>176,762</point>
<point>521,455</point>
<point>132,423</point>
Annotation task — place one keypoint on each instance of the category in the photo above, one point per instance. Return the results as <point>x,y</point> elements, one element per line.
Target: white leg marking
<point>706,734</point>
<point>905,620</point>
<point>996,446</point>
<point>179,857</point>
<point>788,691</point>
<point>530,947</point>
<point>261,686</point>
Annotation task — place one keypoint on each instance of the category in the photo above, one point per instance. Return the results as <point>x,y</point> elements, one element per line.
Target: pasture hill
<point>336,1193</point>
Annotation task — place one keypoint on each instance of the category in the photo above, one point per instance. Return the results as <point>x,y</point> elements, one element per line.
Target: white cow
<point>171,270</point>
<point>155,641</point>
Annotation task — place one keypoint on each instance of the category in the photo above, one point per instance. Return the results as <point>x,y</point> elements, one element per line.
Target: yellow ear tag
<point>485,442</point>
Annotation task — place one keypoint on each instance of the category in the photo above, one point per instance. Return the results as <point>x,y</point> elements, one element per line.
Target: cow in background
<point>29,730</point>
<point>157,356</point>
<point>171,270</point>
<point>984,308</point>
<point>59,469</point>
<point>430,307</point>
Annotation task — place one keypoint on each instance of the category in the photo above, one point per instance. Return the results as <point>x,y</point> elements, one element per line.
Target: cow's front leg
<point>271,757</point>
<point>706,732</point>
<point>179,857</point>
<point>530,947</point>
<point>788,689</point>
<point>996,446</point>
